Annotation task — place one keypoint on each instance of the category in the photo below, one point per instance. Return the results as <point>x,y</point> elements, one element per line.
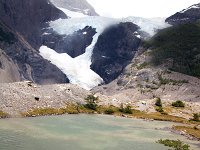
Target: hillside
<point>179,45</point>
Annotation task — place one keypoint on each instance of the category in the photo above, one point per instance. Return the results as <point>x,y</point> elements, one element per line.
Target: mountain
<point>191,14</point>
<point>79,6</point>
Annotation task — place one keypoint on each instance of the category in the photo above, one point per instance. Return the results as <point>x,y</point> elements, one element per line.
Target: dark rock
<point>114,50</point>
<point>31,65</point>
<point>37,98</point>
<point>74,45</point>
<point>29,17</point>
<point>189,15</point>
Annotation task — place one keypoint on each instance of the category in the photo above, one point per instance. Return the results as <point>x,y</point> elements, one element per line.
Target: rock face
<point>191,14</point>
<point>9,71</point>
<point>74,44</point>
<point>31,66</point>
<point>76,5</point>
<point>114,49</point>
<point>29,17</point>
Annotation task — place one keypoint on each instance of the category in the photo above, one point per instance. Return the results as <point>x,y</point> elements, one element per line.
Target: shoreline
<point>135,115</point>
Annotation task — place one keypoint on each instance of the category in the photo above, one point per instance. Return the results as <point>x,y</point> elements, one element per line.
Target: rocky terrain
<point>24,96</point>
<point>76,5</point>
<point>188,15</point>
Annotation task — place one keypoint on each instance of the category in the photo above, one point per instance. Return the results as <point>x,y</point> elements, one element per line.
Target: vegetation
<point>164,81</point>
<point>126,110</point>
<point>70,109</point>
<point>109,111</point>
<point>91,102</point>
<point>196,117</point>
<point>175,144</point>
<point>158,102</point>
<point>193,131</point>
<point>159,109</point>
<point>178,104</point>
<point>142,66</point>
<point>180,45</point>
<point>3,114</point>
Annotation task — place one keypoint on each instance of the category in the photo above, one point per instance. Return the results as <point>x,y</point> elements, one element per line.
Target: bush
<point>3,114</point>
<point>196,117</point>
<point>176,144</point>
<point>126,110</point>
<point>178,104</point>
<point>159,109</point>
<point>158,102</point>
<point>109,111</point>
<point>91,102</point>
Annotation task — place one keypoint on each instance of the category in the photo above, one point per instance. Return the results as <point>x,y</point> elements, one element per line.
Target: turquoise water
<point>84,132</point>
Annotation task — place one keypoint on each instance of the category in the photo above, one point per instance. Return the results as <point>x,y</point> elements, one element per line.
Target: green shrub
<point>178,104</point>
<point>158,102</point>
<point>159,109</point>
<point>109,111</point>
<point>176,144</point>
<point>196,117</point>
<point>91,102</point>
<point>126,110</point>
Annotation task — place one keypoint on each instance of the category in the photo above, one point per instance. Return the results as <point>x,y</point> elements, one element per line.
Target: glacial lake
<point>85,132</point>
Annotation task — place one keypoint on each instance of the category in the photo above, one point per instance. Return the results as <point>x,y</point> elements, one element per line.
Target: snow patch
<point>72,14</point>
<point>150,26</point>
<point>77,72</point>
<point>191,7</point>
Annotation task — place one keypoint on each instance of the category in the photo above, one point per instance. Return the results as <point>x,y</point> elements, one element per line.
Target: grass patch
<point>193,131</point>
<point>175,144</point>
<point>159,116</point>
<point>69,109</point>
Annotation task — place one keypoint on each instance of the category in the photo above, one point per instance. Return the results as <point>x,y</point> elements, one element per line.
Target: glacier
<point>78,69</point>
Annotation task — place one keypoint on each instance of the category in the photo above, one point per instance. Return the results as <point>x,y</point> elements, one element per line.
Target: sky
<point>140,8</point>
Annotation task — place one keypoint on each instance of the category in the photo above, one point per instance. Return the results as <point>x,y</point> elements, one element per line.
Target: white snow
<point>149,26</point>
<point>72,14</point>
<point>84,33</point>
<point>77,72</point>
<point>196,6</point>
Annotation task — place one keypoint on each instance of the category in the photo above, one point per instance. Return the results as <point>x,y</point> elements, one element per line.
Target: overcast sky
<point>140,8</point>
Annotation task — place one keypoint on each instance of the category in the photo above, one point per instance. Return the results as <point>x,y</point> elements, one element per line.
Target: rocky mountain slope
<point>81,6</point>
<point>190,14</point>
<point>165,66</point>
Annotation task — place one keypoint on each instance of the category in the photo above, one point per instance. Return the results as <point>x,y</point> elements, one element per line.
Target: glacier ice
<point>77,72</point>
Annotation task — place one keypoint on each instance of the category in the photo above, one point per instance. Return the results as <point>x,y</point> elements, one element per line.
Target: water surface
<point>84,132</point>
